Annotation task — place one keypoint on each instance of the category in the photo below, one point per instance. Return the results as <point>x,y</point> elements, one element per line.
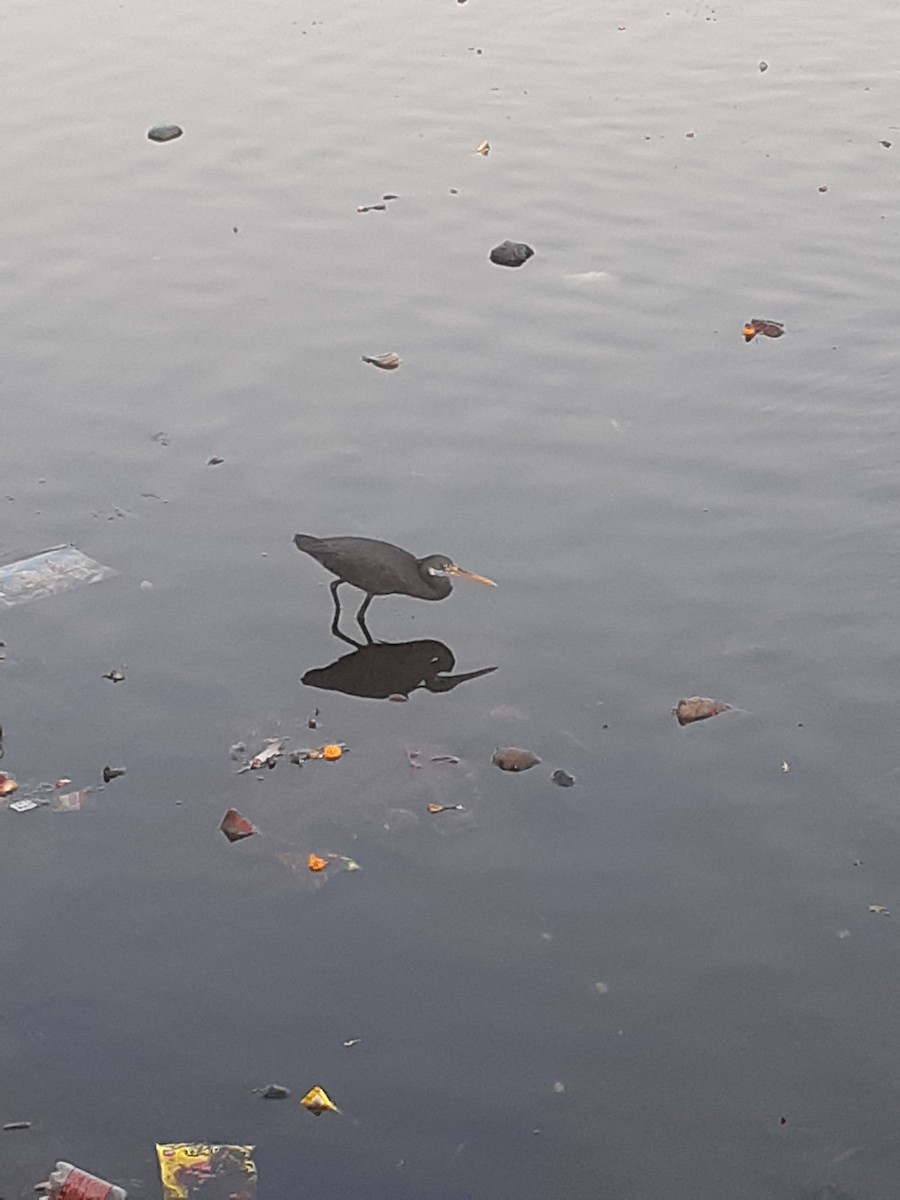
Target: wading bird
<point>380,569</point>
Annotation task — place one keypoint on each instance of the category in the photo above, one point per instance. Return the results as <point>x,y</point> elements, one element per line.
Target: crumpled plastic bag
<point>191,1170</point>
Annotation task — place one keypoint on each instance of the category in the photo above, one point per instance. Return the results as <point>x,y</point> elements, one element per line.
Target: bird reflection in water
<point>379,670</point>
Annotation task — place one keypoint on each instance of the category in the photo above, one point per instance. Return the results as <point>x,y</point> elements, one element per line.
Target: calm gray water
<point>667,510</point>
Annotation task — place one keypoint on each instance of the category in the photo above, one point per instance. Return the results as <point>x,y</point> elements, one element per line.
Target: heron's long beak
<point>453,569</point>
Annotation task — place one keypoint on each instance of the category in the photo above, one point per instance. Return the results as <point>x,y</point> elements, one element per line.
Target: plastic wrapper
<point>202,1171</point>
<point>47,573</point>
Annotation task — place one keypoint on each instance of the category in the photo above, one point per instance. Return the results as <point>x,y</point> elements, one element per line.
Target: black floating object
<point>563,778</point>
<point>511,254</point>
<point>164,133</point>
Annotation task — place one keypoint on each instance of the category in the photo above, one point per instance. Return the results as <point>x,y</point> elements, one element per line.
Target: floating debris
<point>312,722</point>
<point>215,461</point>
<point>698,708</point>
<point>351,1042</point>
<point>21,806</point>
<point>236,827</point>
<point>10,1126</point>
<point>361,208</point>
<point>390,196</point>
<point>562,778</point>
<point>274,1091</point>
<point>785,766</point>
<point>887,145</point>
<point>441,808</point>
<point>47,574</point>
<point>315,863</point>
<point>318,1101</point>
<point>7,785</point>
<point>511,254</point>
<point>164,133</point>
<point>191,1170</point>
<point>398,698</point>
<point>387,362</point>
<point>268,756</point>
<point>484,149</point>
<point>331,752</point>
<point>763,67</point>
<point>513,758</point>
<point>445,758</point>
<point>73,801</point>
<point>771,329</point>
<point>114,676</point>
<point>878,909</point>
<point>111,773</point>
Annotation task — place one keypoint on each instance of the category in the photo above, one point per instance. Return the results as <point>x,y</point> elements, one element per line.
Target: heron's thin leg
<point>337,606</point>
<point>361,618</point>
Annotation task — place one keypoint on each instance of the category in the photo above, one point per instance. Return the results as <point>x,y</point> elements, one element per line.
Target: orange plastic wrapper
<point>202,1171</point>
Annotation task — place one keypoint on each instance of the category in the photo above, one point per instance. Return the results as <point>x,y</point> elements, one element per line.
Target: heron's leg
<point>337,606</point>
<point>361,618</point>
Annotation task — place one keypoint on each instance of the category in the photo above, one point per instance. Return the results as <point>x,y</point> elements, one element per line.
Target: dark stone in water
<point>511,254</point>
<point>164,133</point>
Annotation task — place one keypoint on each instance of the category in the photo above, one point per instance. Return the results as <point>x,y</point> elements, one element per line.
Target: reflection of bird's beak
<point>453,569</point>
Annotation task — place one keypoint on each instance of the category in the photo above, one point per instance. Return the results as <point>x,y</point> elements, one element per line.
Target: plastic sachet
<point>47,573</point>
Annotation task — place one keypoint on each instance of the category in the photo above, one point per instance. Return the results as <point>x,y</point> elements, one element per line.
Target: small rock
<point>164,133</point>
<point>511,254</point>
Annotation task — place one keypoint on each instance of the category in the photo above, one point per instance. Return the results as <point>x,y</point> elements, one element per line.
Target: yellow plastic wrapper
<point>190,1170</point>
<point>318,1101</point>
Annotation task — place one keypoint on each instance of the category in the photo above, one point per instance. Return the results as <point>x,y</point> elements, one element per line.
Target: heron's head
<point>439,564</point>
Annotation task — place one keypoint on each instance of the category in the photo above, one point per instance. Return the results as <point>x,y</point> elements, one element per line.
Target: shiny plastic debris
<point>698,708</point>
<point>21,806</point>
<point>72,801</point>
<point>513,758</point>
<point>48,573</point>
<point>195,1170</point>
<point>273,749</point>
<point>318,1101</point>
<point>484,149</point>
<point>772,329</point>
<point>387,362</point>
<point>68,1182</point>
<point>236,827</point>
<point>114,676</point>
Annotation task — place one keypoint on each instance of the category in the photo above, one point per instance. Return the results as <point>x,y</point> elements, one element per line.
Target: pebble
<point>511,254</point>
<point>164,133</point>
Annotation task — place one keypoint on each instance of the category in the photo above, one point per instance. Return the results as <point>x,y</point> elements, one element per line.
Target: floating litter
<point>58,570</point>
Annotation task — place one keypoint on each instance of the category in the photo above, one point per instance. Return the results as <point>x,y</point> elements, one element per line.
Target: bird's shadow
<point>379,670</point>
